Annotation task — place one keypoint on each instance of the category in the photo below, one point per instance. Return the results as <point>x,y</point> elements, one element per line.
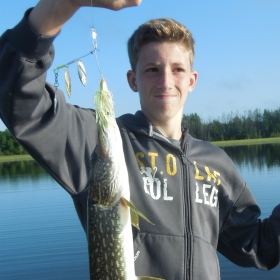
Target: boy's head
<point>159,30</point>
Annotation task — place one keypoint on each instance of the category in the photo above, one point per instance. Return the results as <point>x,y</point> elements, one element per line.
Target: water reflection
<point>259,156</point>
<point>41,237</point>
<point>23,169</point>
<point>40,234</point>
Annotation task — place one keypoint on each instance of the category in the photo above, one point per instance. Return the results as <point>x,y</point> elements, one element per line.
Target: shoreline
<point>245,142</point>
<point>261,141</point>
<point>15,158</point>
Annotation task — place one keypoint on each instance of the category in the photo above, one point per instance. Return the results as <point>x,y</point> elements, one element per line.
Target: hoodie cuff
<point>29,43</point>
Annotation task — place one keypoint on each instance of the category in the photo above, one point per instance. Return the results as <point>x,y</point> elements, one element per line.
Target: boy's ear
<point>193,80</point>
<point>131,78</point>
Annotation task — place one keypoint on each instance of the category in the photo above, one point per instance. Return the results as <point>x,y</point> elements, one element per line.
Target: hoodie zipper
<point>186,193</point>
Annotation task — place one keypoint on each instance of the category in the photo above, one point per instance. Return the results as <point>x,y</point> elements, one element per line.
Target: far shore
<point>15,158</point>
<point>274,140</point>
<point>245,142</point>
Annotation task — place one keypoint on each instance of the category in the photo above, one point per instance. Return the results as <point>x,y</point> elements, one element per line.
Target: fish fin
<point>148,278</point>
<point>134,219</point>
<point>135,213</point>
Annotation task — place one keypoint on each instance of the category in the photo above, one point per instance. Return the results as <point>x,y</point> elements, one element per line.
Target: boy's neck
<point>170,130</point>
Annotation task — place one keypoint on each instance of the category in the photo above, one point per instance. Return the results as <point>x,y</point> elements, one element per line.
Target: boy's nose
<point>165,80</point>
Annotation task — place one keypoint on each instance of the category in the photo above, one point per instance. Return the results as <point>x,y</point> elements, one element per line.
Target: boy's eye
<point>178,70</point>
<point>153,69</point>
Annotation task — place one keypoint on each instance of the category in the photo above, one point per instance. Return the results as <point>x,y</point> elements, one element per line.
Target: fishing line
<point>94,40</point>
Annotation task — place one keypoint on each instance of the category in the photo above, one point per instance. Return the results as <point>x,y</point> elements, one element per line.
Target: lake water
<point>41,237</point>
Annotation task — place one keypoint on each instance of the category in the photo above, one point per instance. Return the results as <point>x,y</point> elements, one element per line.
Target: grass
<point>275,140</point>
<point>15,158</point>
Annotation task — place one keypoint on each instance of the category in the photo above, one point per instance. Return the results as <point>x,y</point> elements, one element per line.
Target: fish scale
<point>106,254</point>
<point>103,175</point>
<point>109,232</point>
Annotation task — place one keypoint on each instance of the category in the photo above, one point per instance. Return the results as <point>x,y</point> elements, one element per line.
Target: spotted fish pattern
<point>106,254</point>
<point>109,232</point>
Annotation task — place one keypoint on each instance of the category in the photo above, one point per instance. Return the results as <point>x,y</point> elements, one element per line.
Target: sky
<point>237,52</point>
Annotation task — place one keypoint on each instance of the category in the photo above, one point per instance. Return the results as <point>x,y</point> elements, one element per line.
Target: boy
<point>187,187</point>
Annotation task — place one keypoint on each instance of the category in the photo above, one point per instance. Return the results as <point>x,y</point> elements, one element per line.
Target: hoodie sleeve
<point>62,143</point>
<point>247,240</point>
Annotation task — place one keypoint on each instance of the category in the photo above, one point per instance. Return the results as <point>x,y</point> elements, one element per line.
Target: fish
<point>67,81</point>
<point>110,211</point>
<point>82,72</point>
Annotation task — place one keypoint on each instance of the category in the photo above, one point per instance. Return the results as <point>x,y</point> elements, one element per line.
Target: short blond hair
<point>159,30</point>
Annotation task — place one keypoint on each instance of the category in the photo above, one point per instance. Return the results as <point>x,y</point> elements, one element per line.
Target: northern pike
<point>109,233</point>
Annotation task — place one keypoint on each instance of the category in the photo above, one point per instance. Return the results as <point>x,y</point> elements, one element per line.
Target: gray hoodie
<point>192,192</point>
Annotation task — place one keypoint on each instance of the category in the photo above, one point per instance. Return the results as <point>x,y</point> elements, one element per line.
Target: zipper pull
<point>184,159</point>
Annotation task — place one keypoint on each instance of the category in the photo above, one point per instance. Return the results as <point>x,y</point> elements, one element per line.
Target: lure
<point>81,67</point>
<point>94,38</point>
<point>82,72</point>
<point>94,43</point>
<point>67,81</point>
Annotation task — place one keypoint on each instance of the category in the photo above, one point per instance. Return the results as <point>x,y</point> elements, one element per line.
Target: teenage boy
<point>187,187</point>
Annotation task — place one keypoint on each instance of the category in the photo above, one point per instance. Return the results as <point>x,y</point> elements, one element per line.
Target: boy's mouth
<point>165,96</point>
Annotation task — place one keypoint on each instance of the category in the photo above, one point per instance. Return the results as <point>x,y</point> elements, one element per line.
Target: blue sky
<point>237,52</point>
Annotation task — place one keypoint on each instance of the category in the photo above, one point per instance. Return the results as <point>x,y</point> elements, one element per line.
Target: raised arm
<point>63,142</point>
<point>49,16</point>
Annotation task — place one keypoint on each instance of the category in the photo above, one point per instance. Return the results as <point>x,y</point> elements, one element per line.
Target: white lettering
<point>152,184</point>
<point>147,181</point>
<point>158,189</point>
<point>209,195</point>
<point>165,195</point>
<point>136,255</point>
<point>197,199</point>
<point>214,198</point>
<point>205,193</point>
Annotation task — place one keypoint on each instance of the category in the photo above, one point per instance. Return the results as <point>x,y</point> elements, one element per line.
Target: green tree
<point>9,145</point>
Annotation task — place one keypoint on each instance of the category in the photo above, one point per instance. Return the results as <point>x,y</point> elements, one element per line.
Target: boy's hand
<point>50,15</point>
<point>109,4</point>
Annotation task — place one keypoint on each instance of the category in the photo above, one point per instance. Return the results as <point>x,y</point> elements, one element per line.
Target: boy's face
<point>163,78</point>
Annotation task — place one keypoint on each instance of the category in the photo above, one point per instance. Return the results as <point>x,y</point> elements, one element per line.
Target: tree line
<point>9,145</point>
<point>235,126</point>
<point>232,126</point>
<point>27,169</point>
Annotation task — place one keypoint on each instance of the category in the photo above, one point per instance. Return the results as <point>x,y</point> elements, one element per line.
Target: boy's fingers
<point>112,4</point>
